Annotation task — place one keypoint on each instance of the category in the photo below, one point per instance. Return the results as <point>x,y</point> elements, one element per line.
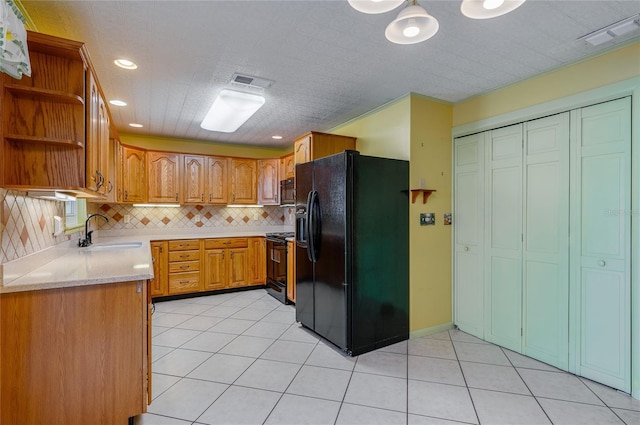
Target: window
<point>75,213</point>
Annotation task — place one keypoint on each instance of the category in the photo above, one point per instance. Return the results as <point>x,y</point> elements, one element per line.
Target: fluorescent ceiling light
<point>610,32</point>
<point>375,6</point>
<point>485,9</point>
<point>276,137</point>
<point>156,205</point>
<point>135,125</point>
<point>230,110</point>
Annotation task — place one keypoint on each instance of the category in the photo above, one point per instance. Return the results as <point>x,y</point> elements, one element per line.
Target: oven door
<point>277,269</point>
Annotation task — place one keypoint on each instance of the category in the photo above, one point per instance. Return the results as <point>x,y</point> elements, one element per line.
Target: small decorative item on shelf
<point>14,54</point>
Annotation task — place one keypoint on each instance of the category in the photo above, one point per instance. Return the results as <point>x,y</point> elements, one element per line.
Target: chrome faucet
<point>87,234</point>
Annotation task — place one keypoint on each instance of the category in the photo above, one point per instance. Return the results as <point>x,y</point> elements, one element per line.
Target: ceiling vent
<point>614,33</point>
<point>249,82</point>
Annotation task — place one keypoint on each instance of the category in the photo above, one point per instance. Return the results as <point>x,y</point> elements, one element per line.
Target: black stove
<point>277,265</point>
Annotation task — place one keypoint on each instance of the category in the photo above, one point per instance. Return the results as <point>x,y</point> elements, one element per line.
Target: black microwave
<point>288,191</point>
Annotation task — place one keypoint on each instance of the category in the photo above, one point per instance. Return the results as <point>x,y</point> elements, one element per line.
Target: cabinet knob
<point>202,197</point>
<point>466,248</point>
<point>602,263</point>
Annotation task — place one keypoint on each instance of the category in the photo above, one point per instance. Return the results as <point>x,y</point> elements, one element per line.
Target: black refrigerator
<point>352,250</point>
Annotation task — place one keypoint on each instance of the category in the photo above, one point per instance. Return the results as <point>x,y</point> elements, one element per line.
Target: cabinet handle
<point>602,263</point>
<point>126,195</point>
<point>176,196</point>
<point>183,282</point>
<point>233,198</point>
<point>100,179</point>
<point>110,187</point>
<point>202,197</point>
<point>184,267</point>
<point>209,197</point>
<point>184,256</point>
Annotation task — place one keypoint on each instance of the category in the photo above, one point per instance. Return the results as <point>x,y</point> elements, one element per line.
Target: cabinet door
<point>257,261</point>
<point>92,146</point>
<point>159,285</point>
<point>503,261</point>
<point>215,275</point>
<point>468,217</point>
<point>287,167</point>
<point>302,150</point>
<point>217,183</point>
<point>268,182</point>
<point>132,186</point>
<point>164,176</point>
<point>601,251</point>
<point>238,266</point>
<point>244,181</point>
<point>194,179</point>
<point>291,271</point>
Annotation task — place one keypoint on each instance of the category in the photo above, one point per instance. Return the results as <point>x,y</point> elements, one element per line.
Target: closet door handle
<point>466,248</point>
<point>602,263</point>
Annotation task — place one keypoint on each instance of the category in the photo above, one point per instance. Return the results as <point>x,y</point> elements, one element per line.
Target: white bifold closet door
<point>545,272</point>
<point>601,253</point>
<point>503,246</point>
<point>468,233</point>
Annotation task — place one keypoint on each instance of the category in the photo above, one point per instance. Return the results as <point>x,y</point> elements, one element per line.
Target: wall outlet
<point>197,218</point>
<point>256,217</point>
<point>127,218</point>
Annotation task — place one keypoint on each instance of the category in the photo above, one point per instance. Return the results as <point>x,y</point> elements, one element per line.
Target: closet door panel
<point>468,234</point>
<point>601,257</point>
<point>503,293</point>
<point>546,233</point>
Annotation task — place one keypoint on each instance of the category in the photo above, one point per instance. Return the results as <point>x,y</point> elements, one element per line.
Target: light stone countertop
<point>67,265</point>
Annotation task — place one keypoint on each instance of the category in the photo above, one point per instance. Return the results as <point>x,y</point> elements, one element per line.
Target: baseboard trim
<point>431,330</point>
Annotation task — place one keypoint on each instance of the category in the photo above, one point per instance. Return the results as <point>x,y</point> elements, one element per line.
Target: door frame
<point>629,87</point>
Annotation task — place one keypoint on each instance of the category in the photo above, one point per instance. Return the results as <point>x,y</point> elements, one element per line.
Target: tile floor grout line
<point>600,398</point>
<point>464,378</point>
<point>525,384</point>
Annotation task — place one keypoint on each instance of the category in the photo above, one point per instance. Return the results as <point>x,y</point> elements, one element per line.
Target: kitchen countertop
<point>67,265</point>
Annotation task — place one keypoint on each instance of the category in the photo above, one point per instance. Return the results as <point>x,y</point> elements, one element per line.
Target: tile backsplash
<point>26,224</point>
<point>123,217</point>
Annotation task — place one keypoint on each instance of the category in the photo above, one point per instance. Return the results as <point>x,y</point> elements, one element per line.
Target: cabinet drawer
<point>184,282</point>
<point>184,266</point>
<point>184,256</point>
<point>184,245</point>
<point>226,243</point>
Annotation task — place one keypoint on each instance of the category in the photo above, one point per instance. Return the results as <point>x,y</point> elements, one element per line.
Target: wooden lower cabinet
<point>75,355</point>
<point>184,266</point>
<point>291,271</point>
<point>197,265</point>
<point>159,285</point>
<point>226,262</point>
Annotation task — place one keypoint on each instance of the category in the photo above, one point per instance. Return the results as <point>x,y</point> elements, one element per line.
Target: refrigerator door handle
<point>314,226</point>
<point>308,227</point>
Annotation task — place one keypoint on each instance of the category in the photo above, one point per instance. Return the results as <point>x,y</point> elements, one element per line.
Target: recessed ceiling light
<point>125,63</point>
<point>276,137</point>
<point>135,125</point>
<point>116,102</point>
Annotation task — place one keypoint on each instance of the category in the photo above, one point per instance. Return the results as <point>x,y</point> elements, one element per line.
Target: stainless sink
<point>114,246</point>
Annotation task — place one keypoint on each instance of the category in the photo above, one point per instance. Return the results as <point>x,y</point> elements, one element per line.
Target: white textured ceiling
<point>329,62</point>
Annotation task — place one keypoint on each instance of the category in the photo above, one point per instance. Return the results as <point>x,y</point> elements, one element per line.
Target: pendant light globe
<point>413,25</point>
<point>485,9</point>
<point>375,6</point>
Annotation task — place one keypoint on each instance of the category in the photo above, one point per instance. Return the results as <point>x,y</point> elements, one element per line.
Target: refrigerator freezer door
<point>331,303</point>
<point>304,267</point>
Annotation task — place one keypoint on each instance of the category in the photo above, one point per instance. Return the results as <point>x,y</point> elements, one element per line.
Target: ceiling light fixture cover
<point>485,9</point>
<point>412,25</point>
<point>375,6</point>
<point>230,110</point>
<point>125,64</point>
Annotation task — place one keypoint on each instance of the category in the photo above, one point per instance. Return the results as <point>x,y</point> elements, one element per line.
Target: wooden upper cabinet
<point>268,182</point>
<point>42,128</point>
<point>164,176</point>
<point>244,181</point>
<point>194,178</point>
<point>287,167</point>
<point>97,141</point>
<point>217,180</point>
<point>315,145</point>
<point>132,185</point>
